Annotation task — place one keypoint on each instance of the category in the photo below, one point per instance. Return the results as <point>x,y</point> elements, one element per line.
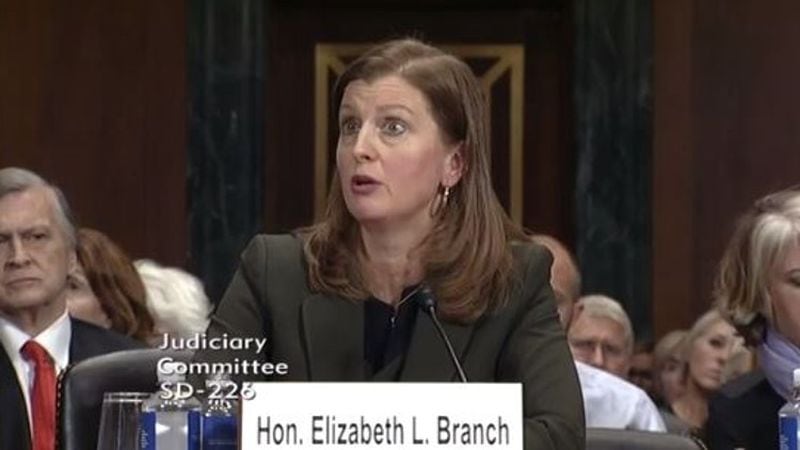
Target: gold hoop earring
<point>440,202</point>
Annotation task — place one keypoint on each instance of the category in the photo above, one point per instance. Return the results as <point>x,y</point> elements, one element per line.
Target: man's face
<point>641,371</point>
<point>600,342</point>
<point>35,257</point>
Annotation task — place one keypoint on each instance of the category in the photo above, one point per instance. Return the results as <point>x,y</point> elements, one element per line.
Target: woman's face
<point>784,291</point>
<point>81,301</point>
<point>709,355</point>
<point>670,378</point>
<point>392,156</point>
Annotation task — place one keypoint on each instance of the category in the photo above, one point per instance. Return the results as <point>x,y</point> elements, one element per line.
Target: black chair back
<point>608,439</point>
<point>81,389</point>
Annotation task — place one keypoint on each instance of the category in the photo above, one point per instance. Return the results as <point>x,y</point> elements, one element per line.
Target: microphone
<point>427,302</point>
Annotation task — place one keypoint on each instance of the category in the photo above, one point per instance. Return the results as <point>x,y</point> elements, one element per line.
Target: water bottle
<point>789,417</point>
<point>170,418</point>
<point>220,427</point>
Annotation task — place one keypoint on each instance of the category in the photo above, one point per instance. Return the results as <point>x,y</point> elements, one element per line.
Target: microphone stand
<point>428,304</point>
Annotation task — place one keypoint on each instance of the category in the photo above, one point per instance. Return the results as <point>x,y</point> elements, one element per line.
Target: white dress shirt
<point>611,402</point>
<point>54,339</point>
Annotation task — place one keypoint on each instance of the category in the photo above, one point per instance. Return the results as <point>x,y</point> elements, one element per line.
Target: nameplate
<point>382,416</point>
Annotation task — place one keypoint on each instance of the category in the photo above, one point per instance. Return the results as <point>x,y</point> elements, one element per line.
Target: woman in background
<point>706,350</point>
<point>668,368</point>
<point>758,289</point>
<point>668,378</point>
<point>106,289</point>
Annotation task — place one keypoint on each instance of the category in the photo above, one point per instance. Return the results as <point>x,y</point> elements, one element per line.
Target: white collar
<point>55,339</point>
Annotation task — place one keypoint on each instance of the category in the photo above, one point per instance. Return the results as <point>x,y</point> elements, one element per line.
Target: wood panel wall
<point>544,28</point>
<point>93,97</point>
<point>726,131</point>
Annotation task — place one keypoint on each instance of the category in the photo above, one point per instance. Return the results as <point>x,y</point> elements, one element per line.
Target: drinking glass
<point>119,420</point>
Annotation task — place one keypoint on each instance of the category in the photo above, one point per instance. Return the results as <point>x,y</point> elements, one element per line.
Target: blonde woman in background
<point>706,350</point>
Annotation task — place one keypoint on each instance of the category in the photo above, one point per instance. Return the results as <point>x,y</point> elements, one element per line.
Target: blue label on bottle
<point>193,430</point>
<point>147,431</point>
<point>788,433</point>
<point>220,433</point>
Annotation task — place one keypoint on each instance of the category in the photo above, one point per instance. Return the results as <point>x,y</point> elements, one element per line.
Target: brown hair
<point>761,238</point>
<point>116,284</point>
<point>467,259</point>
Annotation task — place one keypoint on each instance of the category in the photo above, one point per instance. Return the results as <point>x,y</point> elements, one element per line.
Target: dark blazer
<point>321,337</point>
<point>87,341</point>
<point>744,414</point>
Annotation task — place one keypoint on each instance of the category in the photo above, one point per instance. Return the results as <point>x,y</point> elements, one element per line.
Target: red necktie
<point>43,396</point>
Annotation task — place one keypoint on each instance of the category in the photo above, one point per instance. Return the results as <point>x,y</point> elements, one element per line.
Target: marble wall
<point>226,104</point>
<point>613,132</point>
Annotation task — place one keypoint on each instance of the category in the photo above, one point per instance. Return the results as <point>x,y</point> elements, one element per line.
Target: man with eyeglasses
<point>601,334</point>
<point>609,400</point>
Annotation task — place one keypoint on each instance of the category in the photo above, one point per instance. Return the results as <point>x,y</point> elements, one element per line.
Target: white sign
<point>416,416</point>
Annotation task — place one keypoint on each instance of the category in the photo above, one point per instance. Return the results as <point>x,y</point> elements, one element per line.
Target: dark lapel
<point>427,358</point>
<point>88,341</point>
<point>334,334</point>
<point>81,344</point>
<point>14,426</point>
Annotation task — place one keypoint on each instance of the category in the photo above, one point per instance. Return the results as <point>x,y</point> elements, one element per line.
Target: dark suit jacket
<point>744,413</point>
<point>87,341</point>
<point>321,337</point>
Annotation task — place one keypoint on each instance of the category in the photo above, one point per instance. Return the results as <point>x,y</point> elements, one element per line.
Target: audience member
<point>39,339</point>
<point>706,350</point>
<point>115,297</point>
<point>176,299</point>
<point>81,301</point>
<point>641,370</point>
<point>564,277</point>
<point>613,402</point>
<point>601,334</point>
<point>758,290</point>
<point>669,368</point>
<point>411,210</point>
<point>608,401</point>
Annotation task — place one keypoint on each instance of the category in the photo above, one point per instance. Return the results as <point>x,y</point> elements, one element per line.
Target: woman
<point>410,205</point>
<point>706,351</point>
<point>106,289</point>
<point>668,379</point>
<point>758,289</point>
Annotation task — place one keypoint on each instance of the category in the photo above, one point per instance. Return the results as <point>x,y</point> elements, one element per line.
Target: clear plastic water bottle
<point>789,417</point>
<point>170,418</point>
<point>220,422</point>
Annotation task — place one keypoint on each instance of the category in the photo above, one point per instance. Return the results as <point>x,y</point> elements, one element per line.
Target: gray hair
<point>15,179</point>
<point>175,298</point>
<point>597,305</point>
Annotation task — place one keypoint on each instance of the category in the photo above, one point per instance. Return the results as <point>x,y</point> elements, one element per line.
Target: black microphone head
<point>425,298</point>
